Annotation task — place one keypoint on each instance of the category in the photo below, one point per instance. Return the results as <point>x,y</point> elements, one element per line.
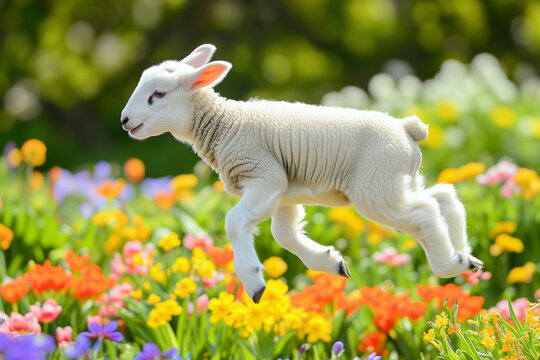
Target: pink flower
<point>213,281</point>
<point>48,312</point>
<point>504,170</point>
<point>519,306</point>
<point>537,294</point>
<point>24,324</point>
<point>390,256</point>
<point>202,302</point>
<point>132,247</point>
<point>117,266</point>
<point>97,319</point>
<point>192,241</point>
<point>64,334</point>
<point>474,278</point>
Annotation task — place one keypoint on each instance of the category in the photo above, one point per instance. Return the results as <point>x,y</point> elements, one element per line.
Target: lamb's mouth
<point>132,131</point>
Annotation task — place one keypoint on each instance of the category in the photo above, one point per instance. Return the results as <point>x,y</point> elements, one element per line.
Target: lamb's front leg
<point>258,202</point>
<point>287,229</point>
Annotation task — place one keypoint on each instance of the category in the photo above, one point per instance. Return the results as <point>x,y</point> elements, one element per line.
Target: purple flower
<point>151,351</point>
<point>77,349</point>
<point>102,170</point>
<point>103,332</point>
<point>301,350</point>
<point>152,186</point>
<point>373,356</point>
<point>26,347</point>
<point>337,349</point>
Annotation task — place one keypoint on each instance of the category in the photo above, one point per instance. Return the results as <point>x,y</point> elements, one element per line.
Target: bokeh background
<point>68,67</point>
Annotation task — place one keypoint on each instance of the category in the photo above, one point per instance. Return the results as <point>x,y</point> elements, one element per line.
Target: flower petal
<point>110,327</point>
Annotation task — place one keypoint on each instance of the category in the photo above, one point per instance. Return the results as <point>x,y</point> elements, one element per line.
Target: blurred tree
<point>68,66</point>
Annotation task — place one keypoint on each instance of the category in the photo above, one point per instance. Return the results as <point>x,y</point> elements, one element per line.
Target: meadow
<point>106,263</point>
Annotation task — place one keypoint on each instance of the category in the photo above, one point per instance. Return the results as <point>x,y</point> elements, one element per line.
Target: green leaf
<point>282,344</point>
<point>188,223</point>
<point>517,324</point>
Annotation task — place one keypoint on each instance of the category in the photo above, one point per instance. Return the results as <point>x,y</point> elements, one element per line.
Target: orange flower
<point>14,290</point>
<point>91,283</point>
<point>110,189</point>
<point>374,342</point>
<point>33,152</point>
<point>385,321</point>
<point>47,277</point>
<point>6,236</point>
<point>468,305</point>
<point>165,200</point>
<point>75,262</point>
<point>134,170</point>
<point>220,256</point>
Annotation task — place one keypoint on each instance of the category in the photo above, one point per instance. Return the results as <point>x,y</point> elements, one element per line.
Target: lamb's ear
<point>207,76</point>
<point>200,56</point>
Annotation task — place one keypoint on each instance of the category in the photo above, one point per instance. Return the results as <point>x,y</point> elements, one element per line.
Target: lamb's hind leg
<point>287,229</point>
<point>259,200</point>
<point>418,213</point>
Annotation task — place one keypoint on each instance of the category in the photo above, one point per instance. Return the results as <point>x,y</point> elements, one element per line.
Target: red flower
<point>14,290</point>
<point>47,277</point>
<point>220,256</point>
<point>75,262</point>
<point>91,283</point>
<point>374,342</point>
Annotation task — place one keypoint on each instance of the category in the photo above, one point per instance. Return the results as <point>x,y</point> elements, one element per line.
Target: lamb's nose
<point>125,120</point>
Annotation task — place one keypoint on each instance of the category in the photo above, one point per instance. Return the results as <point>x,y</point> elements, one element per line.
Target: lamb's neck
<point>210,124</point>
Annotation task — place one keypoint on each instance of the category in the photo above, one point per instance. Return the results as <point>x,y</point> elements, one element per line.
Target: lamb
<point>279,156</point>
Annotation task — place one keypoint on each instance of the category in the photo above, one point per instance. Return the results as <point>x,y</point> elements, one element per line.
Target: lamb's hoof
<point>343,269</point>
<point>258,295</point>
<point>475,265</point>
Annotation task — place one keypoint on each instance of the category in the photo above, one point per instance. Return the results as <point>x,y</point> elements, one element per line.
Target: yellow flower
<point>275,267</point>
<point>435,138</point>
<point>6,236</point>
<point>113,243</point>
<point>14,157</point>
<point>509,243</point>
<point>318,328</point>
<point>219,186</point>
<point>534,127</point>
<point>155,319</point>
<point>147,286</point>
<point>237,312</point>
<point>33,152</point>
<point>528,181</point>
<point>137,294</point>
<point>466,172</point>
<point>169,242</point>
<point>205,268</point>
<point>153,299</point>
<point>348,217</point>
<point>181,265</point>
<point>185,287</point>
<point>447,110</point>
<point>110,189</point>
<point>220,307</point>
<point>488,341</point>
<point>36,180</point>
<point>157,274</point>
<point>501,227</point>
<point>169,308</point>
<point>182,185</point>
<point>503,116</point>
<point>522,273</point>
<point>430,336</point>
<point>441,320</point>
<point>255,316</point>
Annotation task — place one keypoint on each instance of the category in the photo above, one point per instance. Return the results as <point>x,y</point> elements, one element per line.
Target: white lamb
<point>280,155</point>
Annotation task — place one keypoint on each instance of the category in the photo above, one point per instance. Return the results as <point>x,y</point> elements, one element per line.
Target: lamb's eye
<point>157,94</point>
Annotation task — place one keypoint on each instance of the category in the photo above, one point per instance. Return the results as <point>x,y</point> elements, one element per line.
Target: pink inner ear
<point>209,75</point>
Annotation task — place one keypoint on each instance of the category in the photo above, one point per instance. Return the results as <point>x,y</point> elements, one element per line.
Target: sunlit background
<point>68,67</point>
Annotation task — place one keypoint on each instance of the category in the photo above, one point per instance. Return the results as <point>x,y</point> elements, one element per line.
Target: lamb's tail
<point>415,128</point>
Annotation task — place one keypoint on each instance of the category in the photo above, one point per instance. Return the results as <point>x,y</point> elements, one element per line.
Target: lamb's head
<point>161,102</point>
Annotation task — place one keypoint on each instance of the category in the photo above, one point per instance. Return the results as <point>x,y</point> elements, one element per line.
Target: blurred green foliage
<point>68,67</point>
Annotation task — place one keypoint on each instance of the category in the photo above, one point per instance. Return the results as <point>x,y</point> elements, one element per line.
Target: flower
<point>134,170</point>
<point>153,299</point>
<point>465,172</point>
<point>220,256</point>
<point>24,323</point>
<point>28,347</point>
<point>182,265</point>
<point>33,152</point>
<point>150,351</point>
<point>185,287</point>
<point>182,185</point>
<point>77,349</point>
<point>169,242</point>
<point>108,331</point>
<point>14,290</point>
<point>519,305</point>
<point>473,278</point>
<point>6,236</point>
<point>528,181</point>
<point>503,116</point>
<point>502,227</point>
<point>390,256</point>
<point>192,241</point>
<point>301,350</point>
<point>447,110</point>
<point>275,266</point>
<point>220,307</point>
<point>49,312</point>
<point>318,328</point>
<point>75,262</point>
<point>521,274</point>
<point>337,349</point>
<point>109,188</point>
<point>64,335</point>
<point>505,242</point>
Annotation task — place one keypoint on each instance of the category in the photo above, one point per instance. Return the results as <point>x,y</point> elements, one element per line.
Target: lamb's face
<point>160,103</point>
